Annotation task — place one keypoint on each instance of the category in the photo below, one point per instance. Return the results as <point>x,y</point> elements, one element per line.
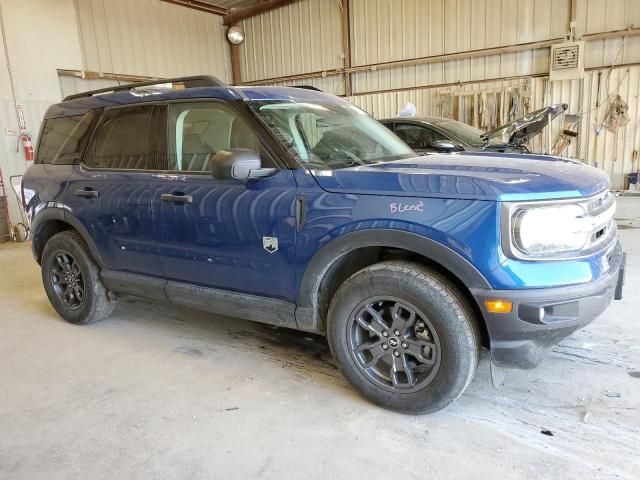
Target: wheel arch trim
<point>322,261</point>
<point>61,213</point>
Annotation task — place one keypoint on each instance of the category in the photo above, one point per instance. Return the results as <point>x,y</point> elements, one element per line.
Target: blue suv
<point>295,208</point>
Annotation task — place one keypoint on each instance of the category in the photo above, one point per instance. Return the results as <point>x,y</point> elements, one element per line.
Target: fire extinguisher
<point>27,147</point>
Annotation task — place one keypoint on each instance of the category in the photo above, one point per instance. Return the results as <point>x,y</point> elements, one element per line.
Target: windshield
<point>330,135</point>
<point>468,134</point>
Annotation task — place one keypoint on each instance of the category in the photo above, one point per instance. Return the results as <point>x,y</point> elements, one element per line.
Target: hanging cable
<point>8,63</point>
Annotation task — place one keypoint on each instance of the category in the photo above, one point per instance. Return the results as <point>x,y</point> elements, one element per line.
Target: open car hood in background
<point>522,129</point>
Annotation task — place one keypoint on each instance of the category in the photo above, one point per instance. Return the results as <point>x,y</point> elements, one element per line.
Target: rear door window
<point>125,140</point>
<point>63,139</point>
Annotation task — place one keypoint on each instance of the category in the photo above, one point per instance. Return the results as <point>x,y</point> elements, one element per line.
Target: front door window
<point>198,130</point>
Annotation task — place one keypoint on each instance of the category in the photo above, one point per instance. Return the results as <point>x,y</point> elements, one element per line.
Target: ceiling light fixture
<point>235,35</point>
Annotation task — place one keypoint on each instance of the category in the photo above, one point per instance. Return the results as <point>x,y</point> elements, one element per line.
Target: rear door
<point>109,192</point>
<point>223,234</point>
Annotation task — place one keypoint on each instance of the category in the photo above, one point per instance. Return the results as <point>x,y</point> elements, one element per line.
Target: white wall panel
<point>302,37</point>
<point>422,28</point>
<point>153,38</point>
<point>453,71</point>
<point>33,65</point>
<point>388,30</point>
<point>34,62</point>
<point>393,30</point>
<point>594,16</point>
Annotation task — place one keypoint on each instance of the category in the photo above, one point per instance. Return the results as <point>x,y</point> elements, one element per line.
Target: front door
<point>222,234</point>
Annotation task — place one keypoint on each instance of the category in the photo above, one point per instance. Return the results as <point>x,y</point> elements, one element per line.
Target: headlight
<point>549,230</point>
<point>560,229</point>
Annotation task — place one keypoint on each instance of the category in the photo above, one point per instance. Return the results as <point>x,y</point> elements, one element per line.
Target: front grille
<point>601,211</point>
<point>596,204</point>
<point>601,203</point>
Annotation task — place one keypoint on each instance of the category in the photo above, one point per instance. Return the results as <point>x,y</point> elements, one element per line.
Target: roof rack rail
<point>188,82</point>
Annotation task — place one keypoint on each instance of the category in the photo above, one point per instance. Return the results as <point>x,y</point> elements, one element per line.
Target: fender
<point>307,315</point>
<point>61,213</point>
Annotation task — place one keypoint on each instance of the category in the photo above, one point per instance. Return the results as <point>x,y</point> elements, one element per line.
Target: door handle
<point>88,192</point>
<point>301,212</point>
<point>170,197</point>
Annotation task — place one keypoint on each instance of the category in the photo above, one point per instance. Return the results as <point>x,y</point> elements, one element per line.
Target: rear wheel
<point>71,280</point>
<point>404,336</point>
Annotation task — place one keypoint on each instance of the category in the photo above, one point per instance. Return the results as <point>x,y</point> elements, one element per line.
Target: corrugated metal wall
<point>283,43</point>
<point>298,38</point>
<point>593,16</point>
<point>384,30</point>
<point>306,37</point>
<point>149,37</point>
<point>616,153</point>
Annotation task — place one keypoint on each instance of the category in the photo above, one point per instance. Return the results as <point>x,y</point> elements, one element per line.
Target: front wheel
<point>404,336</point>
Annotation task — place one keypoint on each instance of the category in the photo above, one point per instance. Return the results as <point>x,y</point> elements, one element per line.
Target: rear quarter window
<point>63,139</point>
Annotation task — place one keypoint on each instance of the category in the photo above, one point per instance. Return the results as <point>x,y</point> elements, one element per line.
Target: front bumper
<point>542,317</point>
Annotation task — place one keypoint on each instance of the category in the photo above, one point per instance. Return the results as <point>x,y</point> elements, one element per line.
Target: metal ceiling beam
<point>200,6</point>
<point>235,16</point>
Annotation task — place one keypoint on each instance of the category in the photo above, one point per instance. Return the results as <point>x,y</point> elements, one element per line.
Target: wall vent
<point>567,61</point>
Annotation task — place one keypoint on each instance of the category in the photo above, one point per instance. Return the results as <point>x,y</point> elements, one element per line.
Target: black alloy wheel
<point>394,344</point>
<point>67,280</point>
<point>404,336</point>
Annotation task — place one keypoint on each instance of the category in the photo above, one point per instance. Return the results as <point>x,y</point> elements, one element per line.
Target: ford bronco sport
<point>292,207</point>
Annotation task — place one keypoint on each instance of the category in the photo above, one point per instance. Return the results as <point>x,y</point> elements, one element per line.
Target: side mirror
<point>444,146</point>
<point>238,164</point>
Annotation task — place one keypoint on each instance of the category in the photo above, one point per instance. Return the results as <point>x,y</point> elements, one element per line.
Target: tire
<point>432,360</point>
<point>66,265</point>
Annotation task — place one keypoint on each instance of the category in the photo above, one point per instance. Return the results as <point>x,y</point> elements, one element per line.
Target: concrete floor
<point>157,392</point>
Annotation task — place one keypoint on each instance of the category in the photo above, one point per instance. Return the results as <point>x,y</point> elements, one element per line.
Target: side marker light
<point>498,306</point>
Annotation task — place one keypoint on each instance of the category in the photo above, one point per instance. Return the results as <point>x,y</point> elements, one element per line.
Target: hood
<point>476,176</point>
<point>523,129</point>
